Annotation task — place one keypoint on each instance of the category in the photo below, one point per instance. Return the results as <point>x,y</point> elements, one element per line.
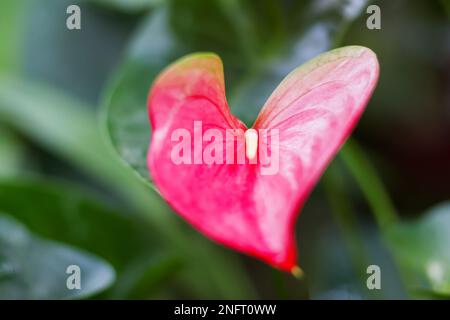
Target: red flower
<point>244,187</point>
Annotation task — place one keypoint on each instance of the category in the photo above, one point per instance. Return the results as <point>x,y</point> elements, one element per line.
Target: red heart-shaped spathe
<point>314,109</point>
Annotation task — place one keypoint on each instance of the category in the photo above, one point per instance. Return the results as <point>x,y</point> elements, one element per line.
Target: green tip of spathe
<point>297,272</point>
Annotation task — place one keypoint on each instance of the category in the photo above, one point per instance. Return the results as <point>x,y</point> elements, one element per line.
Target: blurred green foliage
<point>53,209</point>
<point>421,248</point>
<point>33,268</point>
<point>74,135</point>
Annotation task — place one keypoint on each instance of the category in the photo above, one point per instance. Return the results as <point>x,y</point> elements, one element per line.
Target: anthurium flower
<point>243,187</point>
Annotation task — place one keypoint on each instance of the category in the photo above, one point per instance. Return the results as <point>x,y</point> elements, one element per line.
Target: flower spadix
<point>300,128</point>
<point>251,143</point>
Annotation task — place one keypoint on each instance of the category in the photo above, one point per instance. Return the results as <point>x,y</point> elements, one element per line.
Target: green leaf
<point>421,249</point>
<point>225,27</point>
<point>64,213</point>
<point>34,268</point>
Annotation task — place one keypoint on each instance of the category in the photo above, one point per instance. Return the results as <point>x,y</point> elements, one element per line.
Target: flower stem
<point>345,218</point>
<point>371,186</point>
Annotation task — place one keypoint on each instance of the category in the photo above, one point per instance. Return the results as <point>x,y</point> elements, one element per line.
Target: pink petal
<point>314,109</point>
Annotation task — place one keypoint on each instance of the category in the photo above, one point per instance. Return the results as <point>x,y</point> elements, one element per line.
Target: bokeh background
<point>73,134</point>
